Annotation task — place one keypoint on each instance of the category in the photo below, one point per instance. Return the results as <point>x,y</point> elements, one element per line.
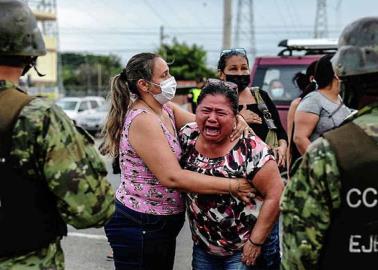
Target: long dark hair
<point>140,66</point>
<point>323,74</point>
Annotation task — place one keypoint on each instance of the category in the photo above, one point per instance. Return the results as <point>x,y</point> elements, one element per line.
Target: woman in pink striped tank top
<point>143,133</point>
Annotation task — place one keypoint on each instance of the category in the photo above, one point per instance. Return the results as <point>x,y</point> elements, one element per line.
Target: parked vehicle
<point>94,122</point>
<point>274,74</point>
<point>77,107</point>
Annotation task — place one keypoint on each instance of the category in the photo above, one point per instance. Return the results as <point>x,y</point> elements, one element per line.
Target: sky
<point>125,27</point>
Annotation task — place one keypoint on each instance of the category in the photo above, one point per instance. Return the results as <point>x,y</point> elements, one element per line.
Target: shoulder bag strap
<point>263,108</point>
<point>11,103</point>
<point>271,138</point>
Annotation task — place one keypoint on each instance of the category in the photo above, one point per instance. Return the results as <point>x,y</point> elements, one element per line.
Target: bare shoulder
<point>145,121</point>
<point>295,102</point>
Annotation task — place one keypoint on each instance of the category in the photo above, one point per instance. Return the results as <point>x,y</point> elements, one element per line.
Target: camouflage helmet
<point>19,33</point>
<point>357,52</point>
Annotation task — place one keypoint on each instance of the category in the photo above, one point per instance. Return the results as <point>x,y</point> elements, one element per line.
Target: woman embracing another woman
<point>141,131</point>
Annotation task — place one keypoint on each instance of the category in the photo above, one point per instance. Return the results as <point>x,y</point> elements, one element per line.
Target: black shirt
<point>261,130</point>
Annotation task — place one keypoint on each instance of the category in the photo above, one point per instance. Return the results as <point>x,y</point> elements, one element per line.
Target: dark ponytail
<point>303,80</point>
<point>119,97</point>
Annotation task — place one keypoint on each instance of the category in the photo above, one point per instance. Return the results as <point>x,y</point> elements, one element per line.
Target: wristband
<point>255,244</point>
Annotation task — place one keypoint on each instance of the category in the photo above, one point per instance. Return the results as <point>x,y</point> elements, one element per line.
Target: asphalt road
<point>87,249</point>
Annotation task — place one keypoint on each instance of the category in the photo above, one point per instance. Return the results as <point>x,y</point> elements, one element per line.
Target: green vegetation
<point>88,73</point>
<point>186,62</point>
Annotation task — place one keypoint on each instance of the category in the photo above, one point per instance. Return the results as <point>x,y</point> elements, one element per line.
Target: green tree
<point>88,72</point>
<point>186,62</point>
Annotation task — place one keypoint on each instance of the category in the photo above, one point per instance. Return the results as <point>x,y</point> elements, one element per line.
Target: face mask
<point>168,90</point>
<point>242,81</point>
<point>277,92</point>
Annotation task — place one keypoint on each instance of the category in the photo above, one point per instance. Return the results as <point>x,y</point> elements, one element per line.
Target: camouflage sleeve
<point>70,164</point>
<point>306,205</point>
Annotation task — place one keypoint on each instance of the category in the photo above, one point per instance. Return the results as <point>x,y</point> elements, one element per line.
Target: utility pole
<point>245,27</point>
<point>99,79</point>
<point>321,20</point>
<point>227,22</point>
<point>338,15</point>
<point>162,36</point>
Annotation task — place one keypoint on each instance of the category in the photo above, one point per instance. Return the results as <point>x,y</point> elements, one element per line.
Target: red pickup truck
<point>271,72</point>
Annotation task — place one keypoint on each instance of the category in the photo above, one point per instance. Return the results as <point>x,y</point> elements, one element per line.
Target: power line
<point>163,21</point>
<point>297,14</point>
<point>200,33</point>
<point>292,16</point>
<point>283,20</point>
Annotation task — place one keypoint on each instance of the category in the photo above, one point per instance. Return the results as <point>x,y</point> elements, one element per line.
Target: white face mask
<point>168,90</point>
<point>277,92</point>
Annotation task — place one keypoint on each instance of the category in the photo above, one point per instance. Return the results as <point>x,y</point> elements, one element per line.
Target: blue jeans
<point>269,259</point>
<point>143,241</point>
<point>205,261</point>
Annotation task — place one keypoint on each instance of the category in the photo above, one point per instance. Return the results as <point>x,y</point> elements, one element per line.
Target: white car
<point>78,107</point>
<point>94,122</point>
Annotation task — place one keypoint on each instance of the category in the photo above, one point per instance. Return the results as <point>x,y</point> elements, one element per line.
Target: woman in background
<point>307,84</point>
<point>233,66</point>
<point>320,110</point>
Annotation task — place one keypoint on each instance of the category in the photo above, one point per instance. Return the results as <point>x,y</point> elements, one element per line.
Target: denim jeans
<point>205,261</point>
<point>143,241</point>
<point>269,258</point>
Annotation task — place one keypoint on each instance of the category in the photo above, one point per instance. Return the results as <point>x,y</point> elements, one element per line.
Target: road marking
<point>90,236</point>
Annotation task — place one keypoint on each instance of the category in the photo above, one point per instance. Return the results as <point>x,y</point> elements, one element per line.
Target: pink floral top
<point>221,224</point>
<point>140,190</point>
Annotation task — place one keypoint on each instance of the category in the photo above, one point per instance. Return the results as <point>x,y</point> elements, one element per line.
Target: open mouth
<point>212,131</point>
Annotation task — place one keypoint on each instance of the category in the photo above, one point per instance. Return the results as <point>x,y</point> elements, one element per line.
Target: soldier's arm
<point>307,202</point>
<point>75,173</point>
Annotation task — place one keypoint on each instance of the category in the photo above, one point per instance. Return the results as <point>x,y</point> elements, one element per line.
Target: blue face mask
<point>277,92</point>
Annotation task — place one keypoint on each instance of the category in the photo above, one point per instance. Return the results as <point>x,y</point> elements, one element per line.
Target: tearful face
<point>215,118</point>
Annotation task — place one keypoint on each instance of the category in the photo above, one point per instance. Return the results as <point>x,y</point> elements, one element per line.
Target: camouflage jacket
<point>305,211</point>
<point>73,170</point>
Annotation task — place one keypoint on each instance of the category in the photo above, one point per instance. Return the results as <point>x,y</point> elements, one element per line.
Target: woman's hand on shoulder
<point>249,116</point>
<point>242,127</point>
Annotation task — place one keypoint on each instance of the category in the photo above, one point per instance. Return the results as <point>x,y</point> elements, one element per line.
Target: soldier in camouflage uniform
<point>330,207</point>
<point>49,169</point>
